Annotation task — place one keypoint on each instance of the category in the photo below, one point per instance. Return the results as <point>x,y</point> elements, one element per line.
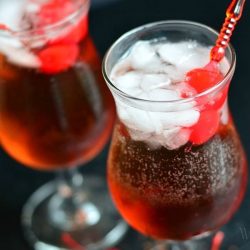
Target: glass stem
<point>71,185</point>
<point>69,207</point>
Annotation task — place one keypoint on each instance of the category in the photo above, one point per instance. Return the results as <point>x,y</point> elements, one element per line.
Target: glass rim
<point>208,91</point>
<point>83,6</point>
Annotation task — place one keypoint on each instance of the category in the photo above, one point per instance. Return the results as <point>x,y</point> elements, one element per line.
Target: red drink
<point>176,167</point>
<point>177,194</point>
<point>55,112</point>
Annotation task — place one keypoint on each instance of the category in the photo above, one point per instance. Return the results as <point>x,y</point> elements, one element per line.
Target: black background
<point>109,20</point>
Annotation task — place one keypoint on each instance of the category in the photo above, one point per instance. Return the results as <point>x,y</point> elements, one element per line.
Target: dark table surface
<point>108,20</point>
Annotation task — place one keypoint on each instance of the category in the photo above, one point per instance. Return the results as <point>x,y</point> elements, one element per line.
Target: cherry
<point>202,79</point>
<point>206,127</point>
<point>57,58</point>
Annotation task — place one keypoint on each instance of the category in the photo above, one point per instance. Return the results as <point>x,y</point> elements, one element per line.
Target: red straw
<point>233,15</point>
<point>217,241</point>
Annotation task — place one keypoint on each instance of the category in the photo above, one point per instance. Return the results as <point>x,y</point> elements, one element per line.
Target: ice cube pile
<point>158,71</point>
<point>50,51</point>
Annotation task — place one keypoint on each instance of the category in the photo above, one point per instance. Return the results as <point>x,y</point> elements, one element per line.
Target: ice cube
<point>176,137</point>
<point>225,113</point>
<point>9,41</point>
<point>198,58</point>
<point>12,12</point>
<point>138,135</point>
<point>173,53</point>
<point>224,66</point>
<point>158,100</point>
<point>159,121</point>
<point>153,143</point>
<point>185,118</point>
<point>25,58</point>
<point>184,55</point>
<point>36,42</point>
<point>174,73</point>
<point>121,67</point>
<point>135,119</point>
<point>163,95</point>
<point>20,56</point>
<point>184,89</point>
<point>147,121</point>
<point>141,120</point>
<point>143,57</point>
<point>33,7</point>
<point>122,112</point>
<point>154,81</point>
<point>129,82</point>
<point>171,138</point>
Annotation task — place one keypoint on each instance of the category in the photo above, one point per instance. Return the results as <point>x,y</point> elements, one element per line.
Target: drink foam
<point>156,72</point>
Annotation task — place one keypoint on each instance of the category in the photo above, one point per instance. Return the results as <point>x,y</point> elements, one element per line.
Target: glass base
<point>200,242</point>
<point>104,227</point>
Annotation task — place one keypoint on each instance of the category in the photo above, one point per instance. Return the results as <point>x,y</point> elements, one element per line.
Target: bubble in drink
<point>175,164</point>
<point>177,193</point>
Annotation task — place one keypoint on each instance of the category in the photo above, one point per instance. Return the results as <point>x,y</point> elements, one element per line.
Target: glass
<point>176,196</point>
<point>56,114</point>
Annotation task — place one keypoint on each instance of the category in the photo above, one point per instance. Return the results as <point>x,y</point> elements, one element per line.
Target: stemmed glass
<point>166,186</point>
<point>56,114</point>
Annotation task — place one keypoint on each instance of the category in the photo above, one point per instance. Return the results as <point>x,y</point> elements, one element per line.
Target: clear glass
<point>56,114</point>
<point>178,195</point>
